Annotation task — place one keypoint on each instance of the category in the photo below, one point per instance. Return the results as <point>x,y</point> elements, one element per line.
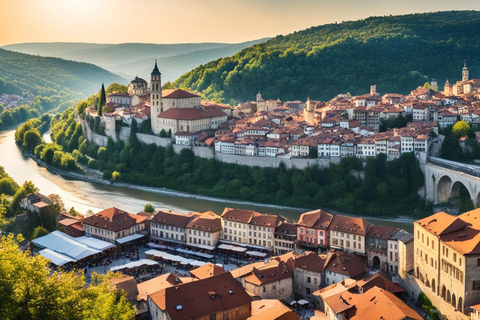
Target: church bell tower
<point>465,71</point>
<point>155,98</point>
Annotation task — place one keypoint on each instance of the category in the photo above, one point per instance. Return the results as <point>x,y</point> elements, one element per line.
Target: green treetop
<point>101,101</point>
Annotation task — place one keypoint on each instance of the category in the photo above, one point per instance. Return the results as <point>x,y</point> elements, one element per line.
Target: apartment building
<point>203,230</point>
<point>447,257</point>
<point>348,233</point>
<point>169,226</point>
<point>249,228</point>
<point>313,230</point>
<point>113,224</point>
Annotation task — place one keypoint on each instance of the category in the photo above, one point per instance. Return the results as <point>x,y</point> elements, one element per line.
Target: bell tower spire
<point>155,97</point>
<point>465,71</point>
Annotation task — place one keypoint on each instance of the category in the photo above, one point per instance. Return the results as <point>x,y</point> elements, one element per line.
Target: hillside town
<point>342,127</point>
<point>249,265</point>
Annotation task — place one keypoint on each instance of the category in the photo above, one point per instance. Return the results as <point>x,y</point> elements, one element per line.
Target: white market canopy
<point>231,248</point>
<point>200,254</point>
<point>174,258</point>
<point>158,246</point>
<point>95,243</point>
<point>256,254</point>
<point>130,238</point>
<point>134,264</point>
<point>57,259</point>
<point>303,302</point>
<point>66,245</point>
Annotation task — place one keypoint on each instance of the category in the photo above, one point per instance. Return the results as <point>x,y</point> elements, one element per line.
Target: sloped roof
<point>178,93</point>
<point>203,297</point>
<point>207,270</point>
<point>271,309</point>
<point>156,284</point>
<point>192,113</point>
<point>113,219</point>
<point>317,219</point>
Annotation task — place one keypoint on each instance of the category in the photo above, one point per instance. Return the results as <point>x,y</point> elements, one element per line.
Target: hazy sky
<point>176,21</point>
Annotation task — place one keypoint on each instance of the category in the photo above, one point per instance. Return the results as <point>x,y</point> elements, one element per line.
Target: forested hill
<point>397,53</point>
<point>27,74</point>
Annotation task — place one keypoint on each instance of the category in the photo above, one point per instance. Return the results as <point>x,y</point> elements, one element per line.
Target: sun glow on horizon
<point>187,21</point>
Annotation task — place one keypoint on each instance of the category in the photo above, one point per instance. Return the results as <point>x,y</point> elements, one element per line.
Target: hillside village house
<point>447,257</point>
<point>35,202</point>
<point>115,225</point>
<point>349,233</point>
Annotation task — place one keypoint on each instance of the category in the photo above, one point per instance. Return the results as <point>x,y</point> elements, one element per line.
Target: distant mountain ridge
<point>397,53</point>
<point>34,75</point>
<point>132,59</point>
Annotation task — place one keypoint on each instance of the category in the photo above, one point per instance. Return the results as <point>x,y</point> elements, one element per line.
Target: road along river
<point>96,196</point>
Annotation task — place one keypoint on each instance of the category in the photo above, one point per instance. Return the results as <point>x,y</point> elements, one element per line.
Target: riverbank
<point>95,176</point>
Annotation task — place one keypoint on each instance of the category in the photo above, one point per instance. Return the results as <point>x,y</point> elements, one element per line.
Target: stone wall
<point>275,162</point>
<point>414,287</point>
<point>151,139</point>
<point>93,137</point>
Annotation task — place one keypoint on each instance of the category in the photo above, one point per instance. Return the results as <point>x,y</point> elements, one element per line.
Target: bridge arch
<point>444,189</point>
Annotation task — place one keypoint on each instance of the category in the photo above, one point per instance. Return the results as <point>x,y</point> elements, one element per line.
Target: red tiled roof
<point>178,93</point>
<point>192,113</point>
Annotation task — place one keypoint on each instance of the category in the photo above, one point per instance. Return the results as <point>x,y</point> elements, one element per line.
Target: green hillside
<point>26,74</point>
<point>397,53</point>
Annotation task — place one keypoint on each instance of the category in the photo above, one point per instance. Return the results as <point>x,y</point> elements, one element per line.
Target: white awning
<point>197,263</point>
<point>64,244</point>
<point>231,248</point>
<point>201,246</point>
<point>95,243</point>
<point>200,254</point>
<point>134,264</point>
<point>56,258</point>
<point>158,246</point>
<point>130,238</point>
<point>256,254</point>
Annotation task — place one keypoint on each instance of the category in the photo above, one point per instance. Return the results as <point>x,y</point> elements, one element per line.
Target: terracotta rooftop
<point>206,271</point>
<point>271,309</point>
<point>207,221</point>
<point>201,298</point>
<point>113,219</point>
<point>353,225</point>
<point>346,264</point>
<point>178,93</point>
<point>317,219</point>
<point>172,218</point>
<point>156,284</point>
<point>377,303</point>
<point>267,273</point>
<point>311,261</point>
<point>382,232</point>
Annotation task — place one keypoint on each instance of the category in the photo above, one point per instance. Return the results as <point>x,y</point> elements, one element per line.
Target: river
<point>85,195</point>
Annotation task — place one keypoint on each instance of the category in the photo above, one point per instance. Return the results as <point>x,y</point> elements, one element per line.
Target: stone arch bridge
<point>443,179</point>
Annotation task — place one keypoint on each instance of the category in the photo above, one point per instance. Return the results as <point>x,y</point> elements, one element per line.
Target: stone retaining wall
<point>414,287</point>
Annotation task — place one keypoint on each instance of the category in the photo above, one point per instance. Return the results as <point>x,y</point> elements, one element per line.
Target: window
<point>476,285</point>
<point>309,280</point>
<point>264,289</point>
<point>307,290</point>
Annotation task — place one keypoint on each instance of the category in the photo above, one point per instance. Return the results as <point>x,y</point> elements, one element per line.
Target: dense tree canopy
<point>336,58</point>
<point>29,290</point>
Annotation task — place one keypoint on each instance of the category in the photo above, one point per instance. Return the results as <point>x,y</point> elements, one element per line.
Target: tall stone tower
<point>373,90</point>
<point>309,112</point>
<point>155,98</point>
<point>465,71</point>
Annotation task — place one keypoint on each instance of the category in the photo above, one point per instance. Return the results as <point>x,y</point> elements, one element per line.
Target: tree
<point>31,139</point>
<point>116,87</point>
<point>461,129</point>
<point>39,232</point>
<point>101,101</point>
<point>149,208</point>
<point>116,176</point>
<point>57,203</point>
<point>31,290</point>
